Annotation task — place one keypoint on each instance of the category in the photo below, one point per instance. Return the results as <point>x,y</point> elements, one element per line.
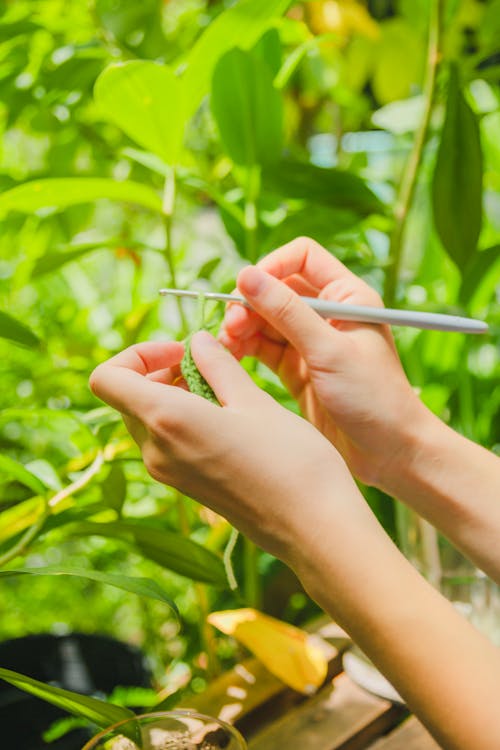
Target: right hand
<point>346,377</point>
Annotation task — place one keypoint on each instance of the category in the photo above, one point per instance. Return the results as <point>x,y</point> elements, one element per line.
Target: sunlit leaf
<point>20,517</point>
<point>247,108</point>
<point>240,25</point>
<point>140,586</point>
<point>167,548</point>
<point>99,712</point>
<point>145,100</point>
<point>60,193</point>
<point>399,64</point>
<point>288,652</point>
<point>12,469</point>
<point>458,174</point>
<point>14,330</point>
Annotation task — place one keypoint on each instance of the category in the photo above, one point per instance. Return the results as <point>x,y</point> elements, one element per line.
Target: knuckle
<point>286,306</point>
<point>155,465</point>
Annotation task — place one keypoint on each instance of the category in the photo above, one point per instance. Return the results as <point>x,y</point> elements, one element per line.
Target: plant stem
<point>206,631</point>
<point>412,167</point>
<point>168,204</point>
<point>252,583</point>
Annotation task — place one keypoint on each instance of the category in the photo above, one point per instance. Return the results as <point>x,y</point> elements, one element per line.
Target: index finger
<point>122,381</point>
<point>307,258</point>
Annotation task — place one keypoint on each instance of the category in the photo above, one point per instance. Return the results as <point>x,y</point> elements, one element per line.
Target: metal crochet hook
<point>360,313</point>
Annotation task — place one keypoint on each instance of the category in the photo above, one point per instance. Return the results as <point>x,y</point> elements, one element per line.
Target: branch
<point>412,167</point>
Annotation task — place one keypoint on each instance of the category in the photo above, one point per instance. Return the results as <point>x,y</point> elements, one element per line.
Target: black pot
<point>87,664</point>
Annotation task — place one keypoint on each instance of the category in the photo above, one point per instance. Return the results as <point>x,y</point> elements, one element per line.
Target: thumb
<point>230,382</point>
<point>284,310</point>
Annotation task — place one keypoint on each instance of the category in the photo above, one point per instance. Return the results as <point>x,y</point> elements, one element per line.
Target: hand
<point>265,469</point>
<point>346,377</point>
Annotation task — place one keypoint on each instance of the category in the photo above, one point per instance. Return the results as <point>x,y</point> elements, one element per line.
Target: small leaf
<point>457,184</point>
<point>114,488</point>
<point>331,187</point>
<point>140,586</point>
<point>168,549</point>
<point>15,470</point>
<point>99,712</point>
<point>12,329</point>
<point>288,652</point>
<point>54,261</point>
<point>145,100</point>
<point>70,191</point>
<point>247,108</point>
<point>242,24</point>
<point>477,267</point>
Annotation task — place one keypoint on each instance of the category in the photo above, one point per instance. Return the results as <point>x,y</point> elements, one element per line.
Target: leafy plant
<point>176,142</point>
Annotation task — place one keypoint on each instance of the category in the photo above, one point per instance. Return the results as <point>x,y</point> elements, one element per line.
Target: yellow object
<point>286,651</point>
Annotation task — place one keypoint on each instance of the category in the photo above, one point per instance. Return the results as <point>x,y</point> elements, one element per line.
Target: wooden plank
<point>411,735</point>
<point>341,716</point>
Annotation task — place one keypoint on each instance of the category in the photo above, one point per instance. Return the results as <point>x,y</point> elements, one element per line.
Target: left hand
<point>268,471</point>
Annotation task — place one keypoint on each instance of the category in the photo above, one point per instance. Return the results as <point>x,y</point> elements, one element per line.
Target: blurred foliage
<point>215,132</point>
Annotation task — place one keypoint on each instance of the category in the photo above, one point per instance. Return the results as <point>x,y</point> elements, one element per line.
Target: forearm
<point>446,671</point>
<point>454,484</point>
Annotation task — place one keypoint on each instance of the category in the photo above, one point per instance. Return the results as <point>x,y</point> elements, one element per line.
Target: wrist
<point>415,446</point>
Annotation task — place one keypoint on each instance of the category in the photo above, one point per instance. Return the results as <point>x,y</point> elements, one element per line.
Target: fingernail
<point>251,281</point>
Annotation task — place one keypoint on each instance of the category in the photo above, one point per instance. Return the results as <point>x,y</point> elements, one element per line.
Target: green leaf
<point>114,488</point>
<point>331,187</point>
<point>477,267</point>
<point>242,25</point>
<point>247,108</point>
<point>54,261</point>
<point>99,712</point>
<point>457,183</point>
<point>12,329</point>
<point>145,100</point>
<point>15,470</point>
<point>140,586</point>
<point>70,191</point>
<point>168,549</point>
<point>268,49</point>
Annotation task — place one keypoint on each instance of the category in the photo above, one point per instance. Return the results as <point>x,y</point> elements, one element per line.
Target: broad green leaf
<point>168,549</point>
<point>140,586</point>
<point>99,712</point>
<point>240,25</point>
<point>331,187</point>
<point>70,191</point>
<point>457,183</point>
<point>12,469</point>
<point>247,108</point>
<point>145,100</point>
<point>477,267</point>
<point>12,329</point>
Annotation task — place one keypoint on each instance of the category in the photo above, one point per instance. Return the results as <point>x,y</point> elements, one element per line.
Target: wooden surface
<point>340,716</point>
